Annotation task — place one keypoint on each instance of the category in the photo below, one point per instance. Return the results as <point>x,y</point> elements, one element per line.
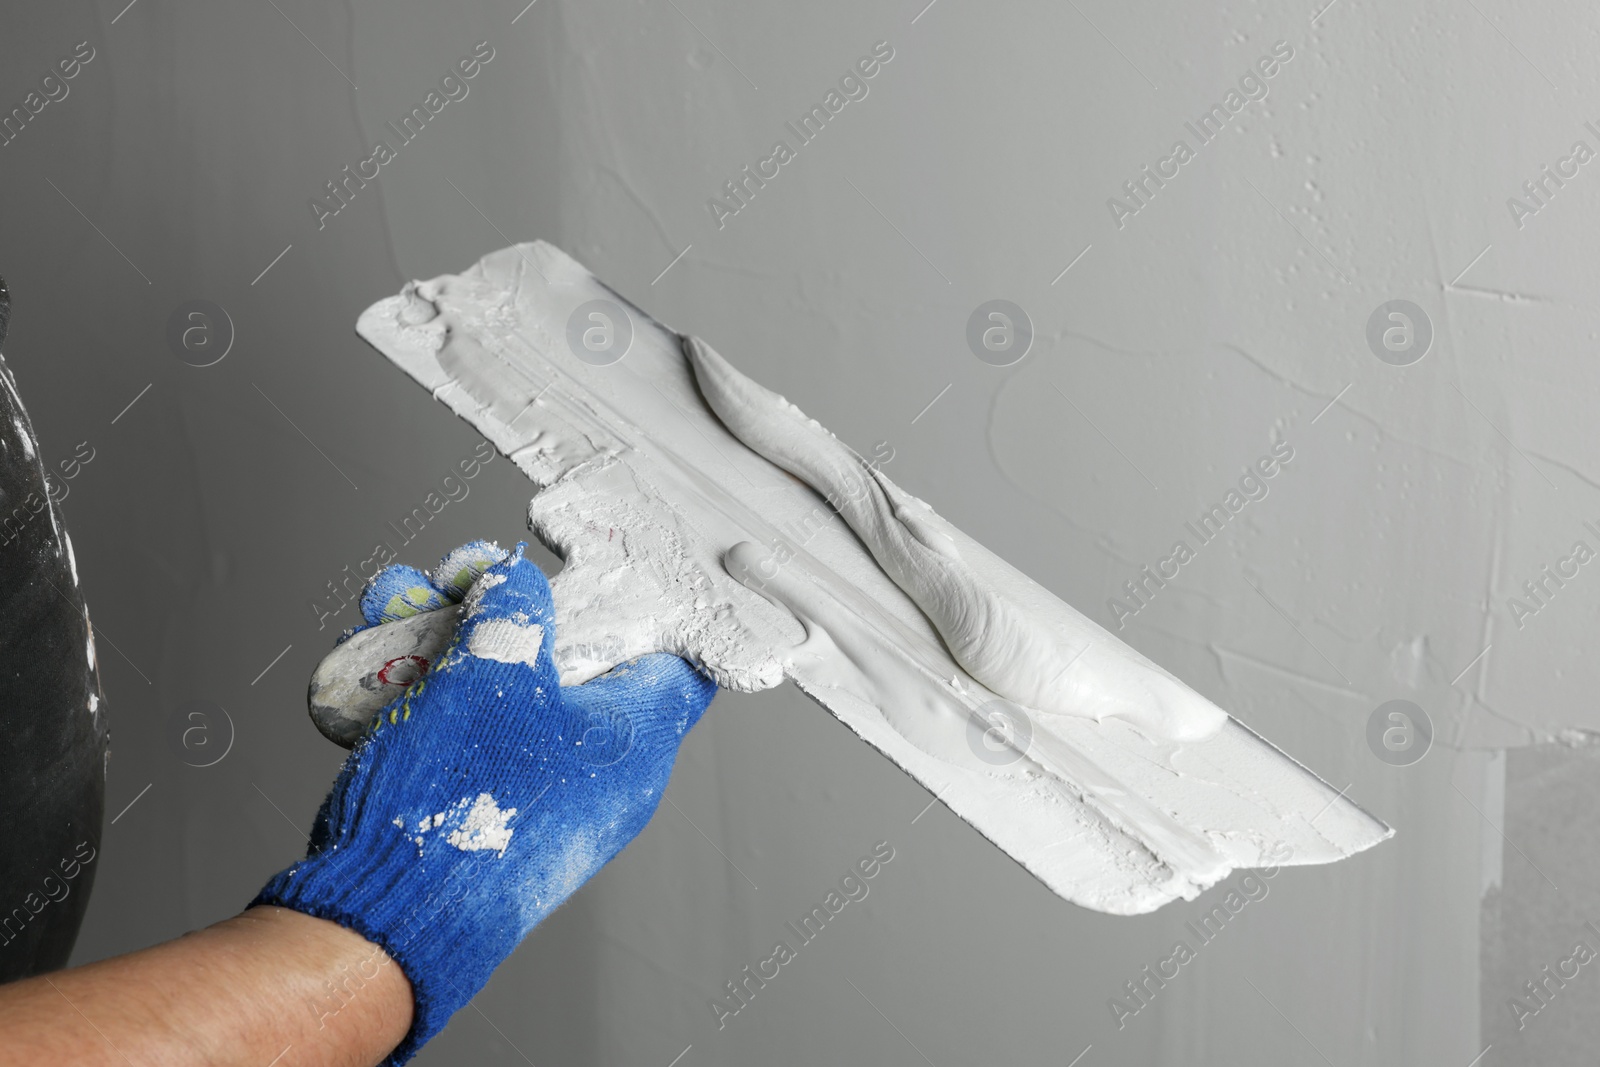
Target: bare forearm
<point>265,984</point>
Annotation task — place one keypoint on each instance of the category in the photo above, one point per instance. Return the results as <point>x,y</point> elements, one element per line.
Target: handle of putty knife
<point>373,667</point>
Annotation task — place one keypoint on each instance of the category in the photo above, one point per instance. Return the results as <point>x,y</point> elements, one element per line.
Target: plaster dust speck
<point>672,532</point>
<point>483,828</point>
<point>477,824</point>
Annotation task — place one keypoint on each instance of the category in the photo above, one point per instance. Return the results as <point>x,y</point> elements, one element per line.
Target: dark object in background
<point>53,740</point>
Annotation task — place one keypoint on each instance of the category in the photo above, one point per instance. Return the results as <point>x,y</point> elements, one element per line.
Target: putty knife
<point>661,516</point>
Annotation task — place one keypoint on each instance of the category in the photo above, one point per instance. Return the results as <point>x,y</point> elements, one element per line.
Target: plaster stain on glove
<point>506,641</point>
<point>484,827</point>
<point>481,829</point>
<point>472,603</point>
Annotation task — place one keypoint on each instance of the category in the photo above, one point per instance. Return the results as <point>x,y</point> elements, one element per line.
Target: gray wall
<point>1225,315</point>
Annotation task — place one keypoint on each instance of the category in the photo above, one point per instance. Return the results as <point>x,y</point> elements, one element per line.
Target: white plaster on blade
<point>1009,632</point>
<point>843,653</point>
<point>643,492</point>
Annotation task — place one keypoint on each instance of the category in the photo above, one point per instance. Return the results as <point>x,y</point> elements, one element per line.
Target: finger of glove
<point>463,566</point>
<point>398,592</point>
<point>401,591</point>
<point>508,617</point>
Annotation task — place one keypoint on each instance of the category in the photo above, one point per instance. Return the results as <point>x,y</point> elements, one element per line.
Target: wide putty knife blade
<point>643,492</point>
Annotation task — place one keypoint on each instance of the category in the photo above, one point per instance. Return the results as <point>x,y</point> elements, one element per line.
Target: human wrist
<point>380,891</point>
<point>348,982</point>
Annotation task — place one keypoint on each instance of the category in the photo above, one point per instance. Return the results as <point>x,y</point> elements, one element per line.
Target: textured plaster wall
<point>1226,316</point>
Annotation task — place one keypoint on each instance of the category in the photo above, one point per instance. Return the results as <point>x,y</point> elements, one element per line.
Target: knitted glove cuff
<point>384,897</point>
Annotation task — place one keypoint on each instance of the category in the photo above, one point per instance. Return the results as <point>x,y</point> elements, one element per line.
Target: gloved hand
<point>487,794</point>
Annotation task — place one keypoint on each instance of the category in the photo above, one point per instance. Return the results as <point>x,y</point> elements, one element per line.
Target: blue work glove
<point>487,794</point>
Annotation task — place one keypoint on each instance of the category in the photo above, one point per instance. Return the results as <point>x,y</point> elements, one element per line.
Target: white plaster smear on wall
<point>1441,515</point>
